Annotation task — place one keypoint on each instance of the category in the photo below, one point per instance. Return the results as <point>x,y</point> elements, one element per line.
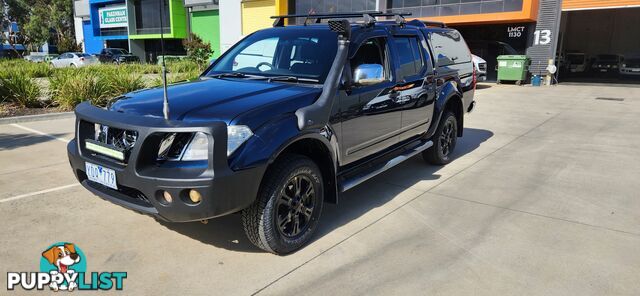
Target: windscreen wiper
<point>230,74</point>
<point>291,79</point>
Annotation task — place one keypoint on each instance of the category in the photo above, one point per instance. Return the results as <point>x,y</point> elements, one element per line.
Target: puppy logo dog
<point>62,257</point>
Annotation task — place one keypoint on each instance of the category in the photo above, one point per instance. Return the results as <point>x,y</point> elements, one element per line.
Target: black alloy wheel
<point>287,209</point>
<point>444,140</point>
<point>295,206</point>
<point>448,137</point>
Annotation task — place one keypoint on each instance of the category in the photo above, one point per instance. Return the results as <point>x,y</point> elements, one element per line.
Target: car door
<point>415,91</point>
<point>370,118</point>
<point>60,60</point>
<point>105,56</point>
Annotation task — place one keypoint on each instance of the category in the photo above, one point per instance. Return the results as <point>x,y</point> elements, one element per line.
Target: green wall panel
<point>206,24</point>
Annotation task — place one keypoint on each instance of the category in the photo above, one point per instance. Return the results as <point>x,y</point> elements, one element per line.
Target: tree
<point>36,29</point>
<point>42,21</point>
<point>12,11</point>
<point>198,50</point>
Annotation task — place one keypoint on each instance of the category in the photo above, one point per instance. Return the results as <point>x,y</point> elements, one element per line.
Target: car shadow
<point>227,232</point>
<point>13,141</point>
<point>483,86</point>
<point>224,232</point>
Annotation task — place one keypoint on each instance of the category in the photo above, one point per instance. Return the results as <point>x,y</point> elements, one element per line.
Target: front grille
<point>482,67</point>
<point>121,140</point>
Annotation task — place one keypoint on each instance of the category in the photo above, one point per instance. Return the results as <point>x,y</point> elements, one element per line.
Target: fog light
<point>195,196</point>
<point>167,197</point>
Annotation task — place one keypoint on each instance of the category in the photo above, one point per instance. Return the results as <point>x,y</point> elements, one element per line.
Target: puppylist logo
<point>63,267</point>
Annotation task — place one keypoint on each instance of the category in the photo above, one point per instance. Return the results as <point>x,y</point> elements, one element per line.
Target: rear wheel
<point>285,215</point>
<point>444,140</point>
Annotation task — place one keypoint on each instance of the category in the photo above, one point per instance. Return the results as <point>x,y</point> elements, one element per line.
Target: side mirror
<point>368,74</point>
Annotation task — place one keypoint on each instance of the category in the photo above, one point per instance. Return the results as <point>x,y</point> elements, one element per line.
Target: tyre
<point>287,209</point>
<point>444,140</point>
<point>519,82</point>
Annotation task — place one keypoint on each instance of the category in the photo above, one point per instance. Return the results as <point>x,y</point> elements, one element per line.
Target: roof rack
<point>369,17</point>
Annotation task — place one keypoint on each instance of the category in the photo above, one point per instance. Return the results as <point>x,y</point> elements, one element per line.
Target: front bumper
<point>141,181</point>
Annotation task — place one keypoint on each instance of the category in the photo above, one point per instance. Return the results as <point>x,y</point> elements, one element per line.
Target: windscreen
<point>608,58</point>
<point>303,53</point>
<point>576,59</point>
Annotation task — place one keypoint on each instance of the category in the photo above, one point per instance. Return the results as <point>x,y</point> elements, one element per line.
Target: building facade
<point>545,30</point>
<point>138,25</point>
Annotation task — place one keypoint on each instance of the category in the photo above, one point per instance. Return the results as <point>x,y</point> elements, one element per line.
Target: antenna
<point>165,103</point>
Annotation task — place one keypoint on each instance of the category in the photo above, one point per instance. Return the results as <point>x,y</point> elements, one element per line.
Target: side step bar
<point>358,179</point>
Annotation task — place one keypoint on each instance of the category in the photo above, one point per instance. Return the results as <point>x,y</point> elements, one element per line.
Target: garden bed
<point>12,110</point>
<point>29,88</point>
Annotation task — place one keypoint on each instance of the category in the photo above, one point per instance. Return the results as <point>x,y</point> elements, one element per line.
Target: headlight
<point>236,135</point>
<point>624,65</point>
<point>198,148</point>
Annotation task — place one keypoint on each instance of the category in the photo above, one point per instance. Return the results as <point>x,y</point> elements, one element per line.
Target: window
<point>410,60</point>
<point>147,16</point>
<point>257,54</point>
<point>428,8</point>
<point>305,53</point>
<point>449,48</point>
<point>372,51</point>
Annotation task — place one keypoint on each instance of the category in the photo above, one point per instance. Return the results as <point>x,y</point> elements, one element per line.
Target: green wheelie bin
<point>513,68</point>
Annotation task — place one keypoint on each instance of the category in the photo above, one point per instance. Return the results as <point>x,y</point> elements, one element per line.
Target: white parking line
<point>39,132</point>
<point>38,192</point>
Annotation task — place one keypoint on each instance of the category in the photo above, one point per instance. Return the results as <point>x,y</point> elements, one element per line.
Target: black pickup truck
<point>287,119</point>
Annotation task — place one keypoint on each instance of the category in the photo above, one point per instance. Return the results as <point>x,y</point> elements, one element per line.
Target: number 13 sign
<point>542,37</point>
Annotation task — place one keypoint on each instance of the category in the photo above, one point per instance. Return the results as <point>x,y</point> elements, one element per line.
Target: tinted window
<point>449,48</point>
<point>372,51</point>
<point>307,53</point>
<point>410,60</point>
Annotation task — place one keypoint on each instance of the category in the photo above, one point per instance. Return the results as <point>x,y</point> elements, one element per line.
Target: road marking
<point>40,133</point>
<point>38,192</point>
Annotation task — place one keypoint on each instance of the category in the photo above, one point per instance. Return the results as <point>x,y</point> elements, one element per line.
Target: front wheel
<point>444,141</point>
<point>286,212</point>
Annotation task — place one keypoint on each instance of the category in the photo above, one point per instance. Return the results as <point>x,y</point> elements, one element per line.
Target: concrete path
<point>542,199</point>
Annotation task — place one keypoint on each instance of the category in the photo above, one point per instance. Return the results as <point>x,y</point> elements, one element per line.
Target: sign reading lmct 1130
<point>113,17</point>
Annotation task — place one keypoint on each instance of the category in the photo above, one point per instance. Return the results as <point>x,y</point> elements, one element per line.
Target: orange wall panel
<point>595,4</point>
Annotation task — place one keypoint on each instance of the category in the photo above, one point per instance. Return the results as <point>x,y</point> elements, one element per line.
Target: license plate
<point>603,70</point>
<point>101,175</point>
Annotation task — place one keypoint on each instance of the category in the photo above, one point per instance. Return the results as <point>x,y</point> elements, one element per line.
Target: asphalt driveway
<point>542,199</point>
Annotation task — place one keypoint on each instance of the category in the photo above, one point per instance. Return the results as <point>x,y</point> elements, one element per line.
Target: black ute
<point>285,120</point>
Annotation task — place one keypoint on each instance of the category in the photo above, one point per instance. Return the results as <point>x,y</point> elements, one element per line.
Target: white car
<point>481,67</point>
<point>74,59</point>
<point>630,66</point>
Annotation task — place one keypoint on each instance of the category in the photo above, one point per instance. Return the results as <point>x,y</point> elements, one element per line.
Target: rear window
<point>410,57</point>
<point>449,48</point>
